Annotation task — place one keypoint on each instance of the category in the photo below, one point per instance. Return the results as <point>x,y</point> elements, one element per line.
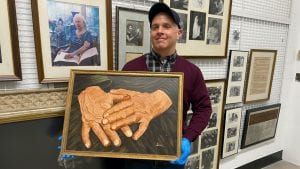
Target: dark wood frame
<point>202,50</point>
<point>128,148</point>
<point>39,47</point>
<point>259,119</point>
<point>269,77</point>
<point>119,40</point>
<point>14,42</point>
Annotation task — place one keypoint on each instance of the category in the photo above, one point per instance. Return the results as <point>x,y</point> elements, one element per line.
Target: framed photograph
<point>205,25</point>
<point>231,132</point>
<point>260,75</point>
<point>10,66</point>
<point>109,116</point>
<point>132,35</point>
<point>260,125</point>
<point>71,34</point>
<point>209,141</point>
<point>237,64</point>
<point>193,162</point>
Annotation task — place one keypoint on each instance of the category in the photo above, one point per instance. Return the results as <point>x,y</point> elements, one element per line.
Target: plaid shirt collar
<point>156,64</point>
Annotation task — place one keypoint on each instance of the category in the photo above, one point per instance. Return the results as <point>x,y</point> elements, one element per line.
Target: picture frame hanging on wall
<point>10,65</point>
<point>260,75</point>
<point>237,66</point>
<point>260,125</point>
<point>161,139</point>
<point>133,35</point>
<point>71,34</point>
<point>231,132</point>
<point>205,27</point>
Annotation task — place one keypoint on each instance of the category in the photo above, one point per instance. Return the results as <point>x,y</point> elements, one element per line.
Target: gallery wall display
<point>104,108</point>
<point>10,66</point>
<point>260,125</point>
<point>71,35</point>
<point>260,75</point>
<point>236,76</point>
<point>207,155</point>
<point>231,132</point>
<point>205,25</point>
<point>132,35</point>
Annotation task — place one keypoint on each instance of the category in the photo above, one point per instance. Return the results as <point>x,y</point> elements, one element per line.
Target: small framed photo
<point>193,162</point>
<point>71,34</point>
<point>132,35</point>
<point>260,125</point>
<point>260,75</point>
<point>205,25</point>
<point>123,115</point>
<point>10,66</point>
<point>236,76</point>
<point>231,132</point>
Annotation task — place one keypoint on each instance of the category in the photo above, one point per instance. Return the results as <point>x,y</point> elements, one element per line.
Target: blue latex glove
<point>185,152</point>
<point>63,156</point>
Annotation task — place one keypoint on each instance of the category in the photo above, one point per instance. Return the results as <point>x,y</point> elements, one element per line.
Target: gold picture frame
<point>162,138</point>
<point>54,32</point>
<point>205,27</point>
<point>10,66</point>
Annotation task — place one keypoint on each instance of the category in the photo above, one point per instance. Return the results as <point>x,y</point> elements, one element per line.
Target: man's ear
<point>179,34</point>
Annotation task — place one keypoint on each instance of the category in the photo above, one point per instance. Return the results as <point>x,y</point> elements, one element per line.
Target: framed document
<point>205,25</point>
<point>107,115</point>
<point>236,76</point>
<point>71,34</point>
<point>133,35</point>
<point>260,75</point>
<point>260,125</point>
<point>231,132</point>
<point>10,66</point>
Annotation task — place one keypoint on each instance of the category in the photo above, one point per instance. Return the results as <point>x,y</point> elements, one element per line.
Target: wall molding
<point>22,105</point>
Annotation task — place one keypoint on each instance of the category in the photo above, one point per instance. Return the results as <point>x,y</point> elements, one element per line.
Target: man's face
<point>164,33</point>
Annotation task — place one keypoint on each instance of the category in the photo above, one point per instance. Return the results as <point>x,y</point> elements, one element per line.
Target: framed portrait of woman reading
<point>10,66</point>
<point>205,25</point>
<point>71,34</point>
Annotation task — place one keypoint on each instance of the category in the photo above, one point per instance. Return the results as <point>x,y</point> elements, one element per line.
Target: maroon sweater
<point>194,93</point>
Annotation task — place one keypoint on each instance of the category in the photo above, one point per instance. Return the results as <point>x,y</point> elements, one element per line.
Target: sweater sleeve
<point>201,107</point>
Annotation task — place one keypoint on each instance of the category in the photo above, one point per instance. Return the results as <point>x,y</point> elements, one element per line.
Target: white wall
<point>291,91</point>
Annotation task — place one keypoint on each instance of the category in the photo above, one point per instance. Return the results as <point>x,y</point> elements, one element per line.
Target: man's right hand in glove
<point>93,103</point>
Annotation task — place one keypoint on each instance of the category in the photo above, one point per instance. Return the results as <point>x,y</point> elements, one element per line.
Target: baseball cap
<point>162,7</point>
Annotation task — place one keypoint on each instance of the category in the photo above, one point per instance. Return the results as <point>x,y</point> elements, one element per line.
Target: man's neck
<point>165,53</point>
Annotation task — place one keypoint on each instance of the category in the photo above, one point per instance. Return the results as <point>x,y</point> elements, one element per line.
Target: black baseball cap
<point>162,7</point>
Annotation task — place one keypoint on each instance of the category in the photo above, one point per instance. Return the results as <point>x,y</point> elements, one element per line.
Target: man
<point>165,30</point>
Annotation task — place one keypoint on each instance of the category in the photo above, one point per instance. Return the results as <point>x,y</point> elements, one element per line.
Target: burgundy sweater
<point>194,93</point>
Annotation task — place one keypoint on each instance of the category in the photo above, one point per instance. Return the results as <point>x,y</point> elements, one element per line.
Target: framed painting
<point>231,132</point>
<point>205,25</point>
<point>71,34</point>
<point>211,136</point>
<point>10,66</point>
<point>236,76</point>
<point>260,125</point>
<point>132,35</point>
<point>109,116</point>
<point>260,75</point>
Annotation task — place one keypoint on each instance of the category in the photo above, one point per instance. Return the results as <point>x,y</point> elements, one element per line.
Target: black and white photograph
<point>214,31</point>
<point>214,94</point>
<point>213,117</point>
<point>207,161</point>
<point>198,4</point>
<point>179,4</point>
<point>236,76</point>
<point>209,138</point>
<point>197,25</point>
<point>232,117</point>
<point>193,162</point>
<point>230,146</point>
<point>238,61</point>
<point>216,7</point>
<point>231,132</point>
<point>235,91</point>
<point>183,24</point>
<point>134,33</point>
